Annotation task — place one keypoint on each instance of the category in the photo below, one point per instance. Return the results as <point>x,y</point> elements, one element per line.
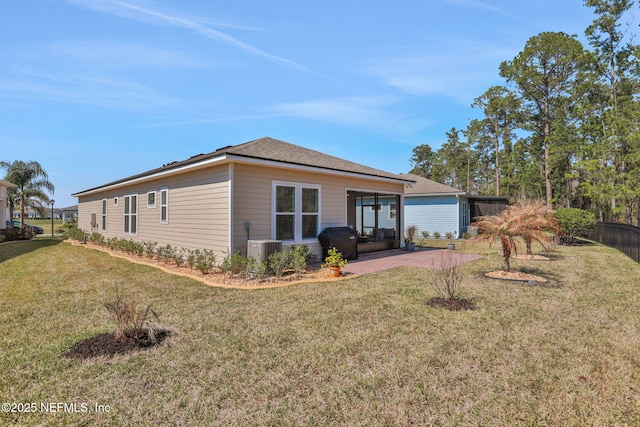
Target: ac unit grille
<point>261,249</point>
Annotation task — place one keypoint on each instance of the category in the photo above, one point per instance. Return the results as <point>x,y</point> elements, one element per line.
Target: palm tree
<point>32,184</point>
<point>530,221</point>
<point>538,220</point>
<point>501,227</point>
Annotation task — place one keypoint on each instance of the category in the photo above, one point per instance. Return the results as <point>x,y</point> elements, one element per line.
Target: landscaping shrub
<point>205,260</point>
<point>150,249</point>
<point>574,223</point>
<point>131,321</point>
<point>96,238</point>
<point>255,268</point>
<point>425,234</point>
<point>11,234</point>
<point>436,234</point>
<point>166,253</point>
<point>298,258</point>
<point>447,280</point>
<point>449,235</point>
<point>234,263</point>
<point>179,256</point>
<point>278,263</point>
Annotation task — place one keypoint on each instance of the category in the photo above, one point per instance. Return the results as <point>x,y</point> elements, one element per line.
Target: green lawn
<point>365,351</point>
<point>46,225</point>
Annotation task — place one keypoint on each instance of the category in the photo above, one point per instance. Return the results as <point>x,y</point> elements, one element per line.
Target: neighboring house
<point>260,190</point>
<point>69,214</point>
<point>4,209</point>
<point>435,207</point>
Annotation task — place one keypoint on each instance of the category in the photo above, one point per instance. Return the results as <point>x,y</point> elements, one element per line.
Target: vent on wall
<point>261,249</point>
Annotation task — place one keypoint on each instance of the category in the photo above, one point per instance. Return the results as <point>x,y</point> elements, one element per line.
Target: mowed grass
<point>361,352</point>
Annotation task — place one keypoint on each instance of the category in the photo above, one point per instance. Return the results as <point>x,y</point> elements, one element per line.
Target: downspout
<point>230,221</point>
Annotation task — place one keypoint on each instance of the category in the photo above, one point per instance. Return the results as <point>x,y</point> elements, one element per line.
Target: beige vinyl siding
<point>198,210</point>
<point>253,189</point>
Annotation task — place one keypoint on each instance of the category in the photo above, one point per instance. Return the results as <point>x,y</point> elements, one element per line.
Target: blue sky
<point>97,90</point>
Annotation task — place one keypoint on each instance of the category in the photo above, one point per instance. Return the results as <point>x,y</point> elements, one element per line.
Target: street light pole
<point>52,202</point>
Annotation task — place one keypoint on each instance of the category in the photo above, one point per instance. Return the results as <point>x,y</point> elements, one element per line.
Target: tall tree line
<point>564,127</point>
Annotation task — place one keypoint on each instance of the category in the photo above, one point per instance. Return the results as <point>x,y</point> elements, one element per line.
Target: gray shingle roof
<point>427,186</point>
<point>269,149</point>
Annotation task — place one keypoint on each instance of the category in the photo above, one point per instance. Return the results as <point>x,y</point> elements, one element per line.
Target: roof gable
<point>279,151</point>
<point>424,186</point>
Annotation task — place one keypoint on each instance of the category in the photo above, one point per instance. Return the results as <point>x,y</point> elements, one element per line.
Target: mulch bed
<point>217,278</point>
<point>453,304</point>
<point>106,344</point>
<point>517,276</point>
<point>532,257</point>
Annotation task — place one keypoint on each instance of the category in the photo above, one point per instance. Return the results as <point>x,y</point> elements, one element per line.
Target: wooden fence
<point>623,237</point>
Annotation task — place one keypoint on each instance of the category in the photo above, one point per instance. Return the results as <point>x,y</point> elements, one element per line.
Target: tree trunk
<point>506,252</point>
<point>547,157</point>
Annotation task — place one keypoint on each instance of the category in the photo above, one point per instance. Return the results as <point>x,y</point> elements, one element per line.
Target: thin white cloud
<point>104,73</point>
<point>147,14</point>
<point>372,113</point>
<point>456,73</point>
<point>119,55</point>
<point>474,4</point>
<point>98,90</point>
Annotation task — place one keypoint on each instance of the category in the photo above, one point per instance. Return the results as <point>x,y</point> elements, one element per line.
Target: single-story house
<point>69,213</point>
<point>435,207</point>
<point>4,211</point>
<point>264,189</point>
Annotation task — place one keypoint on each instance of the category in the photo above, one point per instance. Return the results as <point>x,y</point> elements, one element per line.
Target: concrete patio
<point>384,260</point>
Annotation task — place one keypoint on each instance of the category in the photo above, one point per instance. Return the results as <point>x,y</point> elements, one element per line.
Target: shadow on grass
<point>14,249</point>
<point>452,304</point>
<point>554,280</point>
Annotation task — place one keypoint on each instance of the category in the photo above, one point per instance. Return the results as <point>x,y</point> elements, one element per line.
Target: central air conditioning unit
<point>261,249</point>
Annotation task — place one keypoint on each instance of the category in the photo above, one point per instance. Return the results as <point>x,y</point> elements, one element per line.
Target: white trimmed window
<point>104,214</point>
<point>393,211</point>
<point>164,205</point>
<point>151,199</point>
<point>296,211</point>
<point>131,214</point>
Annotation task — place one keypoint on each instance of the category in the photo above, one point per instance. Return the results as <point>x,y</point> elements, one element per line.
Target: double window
<point>131,214</point>
<point>296,211</point>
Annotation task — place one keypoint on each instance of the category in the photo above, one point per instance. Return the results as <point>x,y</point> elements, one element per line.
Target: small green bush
<point>150,249</point>
<point>436,234</point>
<point>299,258</point>
<point>234,263</point>
<point>205,260</point>
<point>449,235</point>
<point>179,256</point>
<point>278,263</point>
<point>166,253</point>
<point>425,234</point>
<point>574,223</point>
<point>255,269</point>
